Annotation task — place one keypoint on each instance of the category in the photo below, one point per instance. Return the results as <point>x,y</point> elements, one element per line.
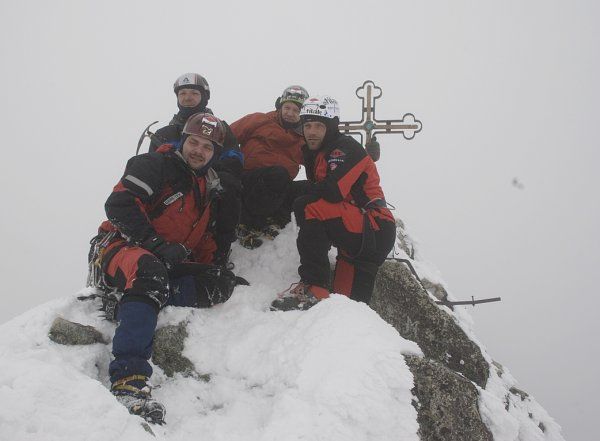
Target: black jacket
<point>231,160</point>
<point>341,170</point>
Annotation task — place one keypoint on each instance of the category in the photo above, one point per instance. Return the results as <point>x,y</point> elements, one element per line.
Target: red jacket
<point>160,195</point>
<point>265,142</point>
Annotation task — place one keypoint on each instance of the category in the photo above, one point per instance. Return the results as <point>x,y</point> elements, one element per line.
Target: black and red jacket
<point>342,171</point>
<point>159,194</point>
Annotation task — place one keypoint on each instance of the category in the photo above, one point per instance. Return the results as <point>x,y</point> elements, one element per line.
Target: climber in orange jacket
<point>271,144</point>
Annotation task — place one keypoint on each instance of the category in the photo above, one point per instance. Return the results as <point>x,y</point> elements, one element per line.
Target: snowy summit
<point>335,372</point>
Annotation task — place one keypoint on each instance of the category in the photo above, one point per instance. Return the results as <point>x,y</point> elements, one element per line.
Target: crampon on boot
<point>299,296</point>
<point>271,230</point>
<point>249,237</point>
<point>134,393</point>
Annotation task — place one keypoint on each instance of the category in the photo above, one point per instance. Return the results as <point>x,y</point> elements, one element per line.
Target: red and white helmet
<point>320,107</point>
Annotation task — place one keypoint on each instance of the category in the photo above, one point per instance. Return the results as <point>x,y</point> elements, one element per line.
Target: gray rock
<point>520,393</point>
<point>435,289</point>
<point>70,333</point>
<point>404,241</point>
<point>167,350</point>
<point>446,404</point>
<point>400,300</point>
<point>499,368</point>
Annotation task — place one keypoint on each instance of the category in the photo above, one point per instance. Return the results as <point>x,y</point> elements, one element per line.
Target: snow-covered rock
<point>335,372</point>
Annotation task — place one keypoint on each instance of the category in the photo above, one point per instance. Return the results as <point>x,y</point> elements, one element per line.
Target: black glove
<point>373,149</point>
<point>230,165</point>
<point>170,253</point>
<point>218,285</point>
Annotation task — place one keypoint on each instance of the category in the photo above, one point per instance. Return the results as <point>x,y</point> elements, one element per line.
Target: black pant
<point>363,242</point>
<point>227,215</point>
<point>267,192</point>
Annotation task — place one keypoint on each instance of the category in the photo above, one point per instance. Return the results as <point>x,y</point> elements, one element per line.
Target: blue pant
<point>132,343</point>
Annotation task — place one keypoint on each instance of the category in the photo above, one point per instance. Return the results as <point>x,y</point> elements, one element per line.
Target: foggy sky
<point>504,90</point>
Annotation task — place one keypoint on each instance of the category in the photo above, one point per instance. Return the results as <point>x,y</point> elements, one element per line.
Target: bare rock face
<point>404,240</point>
<point>446,403</point>
<point>400,300</point>
<point>445,397</point>
<point>167,350</point>
<point>435,289</point>
<point>69,333</point>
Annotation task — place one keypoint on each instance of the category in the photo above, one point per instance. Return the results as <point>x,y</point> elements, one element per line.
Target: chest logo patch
<point>173,198</point>
<point>337,153</point>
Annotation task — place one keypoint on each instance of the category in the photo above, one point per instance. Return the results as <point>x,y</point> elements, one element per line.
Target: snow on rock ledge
<point>335,372</point>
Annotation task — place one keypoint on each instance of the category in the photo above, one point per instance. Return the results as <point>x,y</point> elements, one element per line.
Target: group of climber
<point>172,217</point>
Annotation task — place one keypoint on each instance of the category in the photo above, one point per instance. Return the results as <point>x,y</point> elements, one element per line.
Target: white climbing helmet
<point>320,106</point>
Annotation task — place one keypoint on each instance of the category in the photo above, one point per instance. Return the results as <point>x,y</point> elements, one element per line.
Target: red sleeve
<point>244,127</point>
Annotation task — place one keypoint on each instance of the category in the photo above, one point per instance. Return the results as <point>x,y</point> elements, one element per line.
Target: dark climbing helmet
<point>206,126</point>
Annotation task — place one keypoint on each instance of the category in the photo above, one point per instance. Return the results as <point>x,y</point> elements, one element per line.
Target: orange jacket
<point>265,142</point>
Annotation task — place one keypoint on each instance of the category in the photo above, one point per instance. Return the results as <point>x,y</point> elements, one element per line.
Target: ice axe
<point>146,133</point>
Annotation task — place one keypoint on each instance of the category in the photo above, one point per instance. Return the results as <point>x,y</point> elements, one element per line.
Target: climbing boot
<point>299,296</point>
<point>249,237</point>
<point>134,393</point>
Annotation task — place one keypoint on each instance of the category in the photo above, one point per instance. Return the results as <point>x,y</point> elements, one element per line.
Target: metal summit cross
<point>368,126</point>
